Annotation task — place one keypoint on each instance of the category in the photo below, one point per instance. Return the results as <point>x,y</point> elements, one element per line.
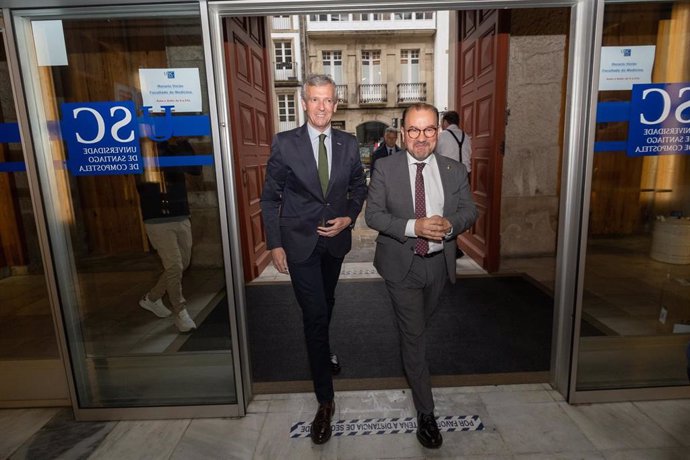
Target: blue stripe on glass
<point>9,132</point>
<point>186,160</point>
<point>613,111</point>
<point>196,125</point>
<point>162,162</point>
<point>611,146</point>
<point>12,166</point>
<point>174,126</point>
<point>182,126</point>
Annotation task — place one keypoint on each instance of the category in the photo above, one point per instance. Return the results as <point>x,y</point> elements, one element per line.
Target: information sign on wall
<point>623,66</point>
<point>102,138</point>
<point>180,88</point>
<point>659,122</point>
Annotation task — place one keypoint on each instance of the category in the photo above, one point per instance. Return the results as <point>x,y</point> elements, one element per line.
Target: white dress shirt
<point>433,194</point>
<point>448,146</point>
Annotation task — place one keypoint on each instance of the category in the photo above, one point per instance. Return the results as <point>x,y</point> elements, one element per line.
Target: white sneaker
<point>154,306</point>
<point>183,322</point>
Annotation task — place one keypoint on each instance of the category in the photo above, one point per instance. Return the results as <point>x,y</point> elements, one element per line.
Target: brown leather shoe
<point>321,426</point>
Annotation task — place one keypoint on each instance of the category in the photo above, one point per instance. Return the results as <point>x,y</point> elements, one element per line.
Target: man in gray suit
<point>419,202</point>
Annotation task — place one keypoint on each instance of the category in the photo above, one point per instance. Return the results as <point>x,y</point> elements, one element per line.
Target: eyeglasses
<point>413,133</point>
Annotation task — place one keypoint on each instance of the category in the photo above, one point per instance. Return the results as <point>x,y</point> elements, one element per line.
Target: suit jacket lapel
<point>402,172</point>
<point>337,158</point>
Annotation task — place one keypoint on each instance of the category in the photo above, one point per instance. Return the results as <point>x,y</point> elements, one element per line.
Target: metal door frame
<point>62,362</point>
<point>577,140</point>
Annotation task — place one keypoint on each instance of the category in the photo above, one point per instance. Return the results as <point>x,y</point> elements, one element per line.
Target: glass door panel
<point>122,123</point>
<point>635,324</point>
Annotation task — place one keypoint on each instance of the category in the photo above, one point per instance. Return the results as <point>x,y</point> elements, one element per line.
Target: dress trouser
<point>314,281</point>
<point>415,299</point>
<point>173,242</point>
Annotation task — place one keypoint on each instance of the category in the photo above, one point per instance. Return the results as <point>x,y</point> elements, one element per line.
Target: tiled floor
<point>521,422</point>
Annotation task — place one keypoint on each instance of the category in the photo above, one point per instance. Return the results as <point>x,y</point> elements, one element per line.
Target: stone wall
<point>531,165</point>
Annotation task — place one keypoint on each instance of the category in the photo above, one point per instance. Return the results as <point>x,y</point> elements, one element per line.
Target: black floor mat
<point>482,325</point>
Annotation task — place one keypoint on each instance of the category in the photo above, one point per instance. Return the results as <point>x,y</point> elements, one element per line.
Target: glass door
<point>29,354</point>
<point>634,325</point>
<point>120,115</point>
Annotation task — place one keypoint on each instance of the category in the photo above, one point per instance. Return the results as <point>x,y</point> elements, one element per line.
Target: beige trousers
<point>173,242</point>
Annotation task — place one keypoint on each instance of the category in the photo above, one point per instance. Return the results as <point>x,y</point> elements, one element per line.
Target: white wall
<point>442,76</point>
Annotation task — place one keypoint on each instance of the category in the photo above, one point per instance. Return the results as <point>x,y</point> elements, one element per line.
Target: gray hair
<point>317,80</point>
<point>391,130</point>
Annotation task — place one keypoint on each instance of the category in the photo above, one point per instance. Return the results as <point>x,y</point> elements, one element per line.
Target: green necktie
<point>323,164</point>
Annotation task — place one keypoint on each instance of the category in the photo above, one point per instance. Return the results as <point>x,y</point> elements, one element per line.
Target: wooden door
<point>247,62</point>
<point>481,101</point>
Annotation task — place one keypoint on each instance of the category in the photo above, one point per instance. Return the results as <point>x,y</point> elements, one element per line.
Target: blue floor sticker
<point>371,426</point>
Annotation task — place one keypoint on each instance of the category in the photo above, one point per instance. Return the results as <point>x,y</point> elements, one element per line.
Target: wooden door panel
<point>264,130</point>
<point>259,73</point>
<point>467,113</point>
<point>482,61</point>
<point>247,131</point>
<point>247,62</point>
<point>486,52</point>
<point>468,67</point>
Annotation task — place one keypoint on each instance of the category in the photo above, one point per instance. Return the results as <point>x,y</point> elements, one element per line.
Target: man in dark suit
<point>388,147</point>
<point>314,190</point>
<point>419,202</point>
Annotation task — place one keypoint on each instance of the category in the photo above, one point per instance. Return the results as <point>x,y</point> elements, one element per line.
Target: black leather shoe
<point>335,364</point>
<point>427,432</point>
<point>321,426</point>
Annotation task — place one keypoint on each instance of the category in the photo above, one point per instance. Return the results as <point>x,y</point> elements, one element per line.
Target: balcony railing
<point>286,125</point>
<point>281,23</point>
<point>285,71</point>
<point>342,94</point>
<point>409,93</point>
<point>338,22</point>
<point>373,94</point>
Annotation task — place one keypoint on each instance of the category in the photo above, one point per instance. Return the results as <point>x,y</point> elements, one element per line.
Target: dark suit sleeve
<point>357,191</point>
<point>272,195</point>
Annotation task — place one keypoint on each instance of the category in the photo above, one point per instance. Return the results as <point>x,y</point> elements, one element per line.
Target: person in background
<point>314,190</point>
<point>419,202</point>
<point>388,146</point>
<point>453,142</point>
<point>165,211</point>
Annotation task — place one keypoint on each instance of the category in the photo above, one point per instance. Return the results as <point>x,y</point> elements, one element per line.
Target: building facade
<point>381,63</point>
